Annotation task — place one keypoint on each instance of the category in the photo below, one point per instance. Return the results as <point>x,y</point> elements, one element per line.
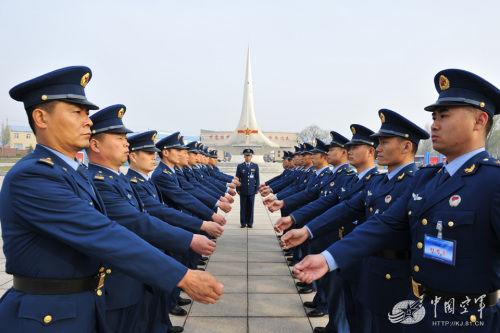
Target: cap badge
<point>331,134</point>
<point>388,199</point>
<point>120,113</point>
<point>444,83</point>
<point>178,136</point>
<point>382,117</point>
<point>85,79</point>
<point>455,200</point>
<point>353,130</point>
<point>154,137</point>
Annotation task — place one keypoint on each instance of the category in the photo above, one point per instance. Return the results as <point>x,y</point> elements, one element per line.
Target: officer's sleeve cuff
<point>332,264</point>
<point>310,232</point>
<point>217,204</point>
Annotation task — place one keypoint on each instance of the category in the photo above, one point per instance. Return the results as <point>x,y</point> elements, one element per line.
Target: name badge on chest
<point>442,250</point>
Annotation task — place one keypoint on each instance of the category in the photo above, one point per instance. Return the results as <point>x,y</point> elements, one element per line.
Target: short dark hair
<point>48,107</point>
<point>414,146</point>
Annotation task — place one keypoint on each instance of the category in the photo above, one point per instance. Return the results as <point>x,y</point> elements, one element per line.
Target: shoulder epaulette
<point>490,161</point>
<point>46,160</point>
<point>167,172</point>
<point>133,180</point>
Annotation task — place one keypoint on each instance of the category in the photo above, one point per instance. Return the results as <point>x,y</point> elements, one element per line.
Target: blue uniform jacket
<point>213,181</point>
<point>249,178</point>
<point>175,196</point>
<point>329,196</point>
<point>468,206</point>
<point>312,192</point>
<point>51,228</point>
<point>278,177</point>
<point>202,194</point>
<point>376,290</point>
<point>220,175</point>
<point>305,180</point>
<point>153,203</point>
<point>292,178</point>
<point>125,207</point>
<point>201,181</point>
<point>323,237</point>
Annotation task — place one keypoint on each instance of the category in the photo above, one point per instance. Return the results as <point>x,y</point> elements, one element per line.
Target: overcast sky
<point>180,65</point>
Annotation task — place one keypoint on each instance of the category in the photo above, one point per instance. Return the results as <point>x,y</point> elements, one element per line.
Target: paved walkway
<point>259,292</point>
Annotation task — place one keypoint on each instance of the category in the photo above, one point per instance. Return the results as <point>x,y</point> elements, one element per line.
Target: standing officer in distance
<point>50,211</point>
<point>452,213</point>
<point>248,174</point>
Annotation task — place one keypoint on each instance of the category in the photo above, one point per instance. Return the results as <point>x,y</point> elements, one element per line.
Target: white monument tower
<point>248,133</point>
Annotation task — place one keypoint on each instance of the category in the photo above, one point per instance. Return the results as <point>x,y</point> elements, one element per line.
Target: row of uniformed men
<point>428,238</point>
<point>93,250</point>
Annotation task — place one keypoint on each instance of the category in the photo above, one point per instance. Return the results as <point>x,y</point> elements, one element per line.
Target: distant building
<point>22,137</point>
<point>218,139</point>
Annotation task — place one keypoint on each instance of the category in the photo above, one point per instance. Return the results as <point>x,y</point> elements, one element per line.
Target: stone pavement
<point>259,291</point>
<point>260,295</point>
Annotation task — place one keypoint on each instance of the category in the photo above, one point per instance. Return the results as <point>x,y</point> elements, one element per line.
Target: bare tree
<point>5,133</point>
<point>312,132</point>
<point>493,139</point>
<point>426,145</point>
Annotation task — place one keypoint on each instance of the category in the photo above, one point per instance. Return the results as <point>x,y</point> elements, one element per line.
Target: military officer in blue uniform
<point>248,173</point>
<point>216,173</point>
<point>50,211</point>
<point>385,276</point>
<point>165,178</point>
<point>108,151</point>
<point>142,161</point>
<point>341,288</point>
<point>342,176</point>
<point>318,183</point>
<point>452,214</point>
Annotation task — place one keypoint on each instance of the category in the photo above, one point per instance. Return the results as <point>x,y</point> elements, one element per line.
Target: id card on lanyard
<point>442,250</point>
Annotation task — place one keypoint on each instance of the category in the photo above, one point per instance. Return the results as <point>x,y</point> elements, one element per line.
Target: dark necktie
<point>82,171</point>
<point>443,176</point>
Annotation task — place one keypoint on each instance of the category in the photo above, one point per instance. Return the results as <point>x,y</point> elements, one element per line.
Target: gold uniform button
<point>416,268</point>
<point>44,97</point>
<point>388,276</point>
<point>108,271</point>
<point>99,292</point>
<point>451,224</point>
<point>371,209</point>
<point>424,221</point>
<point>409,212</point>
<point>47,319</point>
<point>473,318</point>
<point>420,245</point>
<point>101,269</point>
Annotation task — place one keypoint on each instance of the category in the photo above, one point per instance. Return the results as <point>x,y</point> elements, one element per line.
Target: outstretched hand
<point>283,223</point>
<point>201,286</point>
<point>294,237</point>
<point>311,268</point>
<point>276,205</point>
